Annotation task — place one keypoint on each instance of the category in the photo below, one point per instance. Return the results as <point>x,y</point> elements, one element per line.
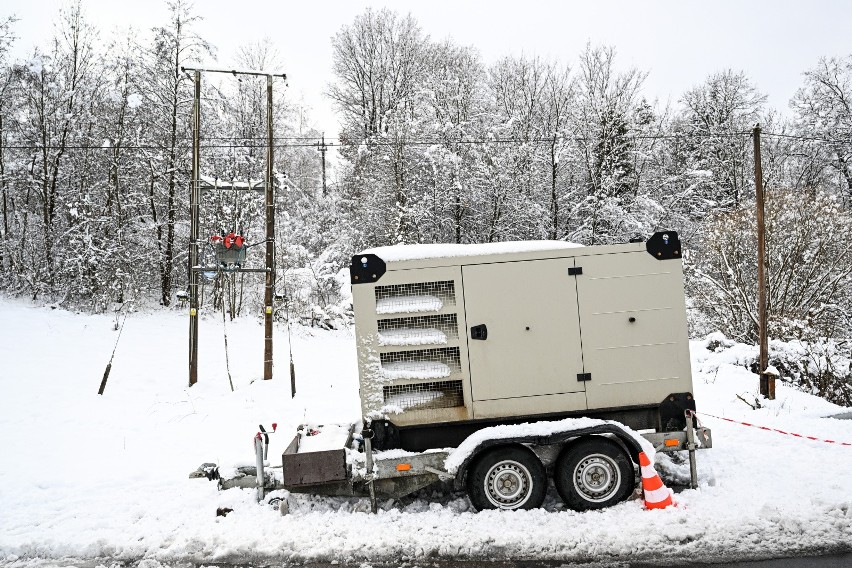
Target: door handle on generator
<point>479,332</point>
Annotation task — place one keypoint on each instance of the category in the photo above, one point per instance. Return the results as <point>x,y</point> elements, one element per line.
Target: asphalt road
<point>828,561</point>
<point>835,561</point>
<point>832,561</point>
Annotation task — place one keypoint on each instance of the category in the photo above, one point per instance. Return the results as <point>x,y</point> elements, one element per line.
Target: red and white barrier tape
<point>815,439</point>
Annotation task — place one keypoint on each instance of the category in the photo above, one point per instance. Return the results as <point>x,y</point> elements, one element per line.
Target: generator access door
<point>633,320</point>
<point>523,338</point>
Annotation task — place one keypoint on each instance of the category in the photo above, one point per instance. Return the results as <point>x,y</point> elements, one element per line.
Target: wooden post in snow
<point>767,381</point>
<point>270,239</point>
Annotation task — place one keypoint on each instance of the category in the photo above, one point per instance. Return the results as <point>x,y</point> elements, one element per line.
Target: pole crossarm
<point>234,72</point>
<point>216,268</point>
<point>209,183</point>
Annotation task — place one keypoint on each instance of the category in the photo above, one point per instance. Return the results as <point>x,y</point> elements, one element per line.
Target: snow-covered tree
<point>715,120</point>
<point>6,82</point>
<point>809,252</point>
<point>824,109</point>
<point>452,109</point>
<point>609,115</point>
<point>167,93</point>
<point>58,93</point>
<point>378,61</point>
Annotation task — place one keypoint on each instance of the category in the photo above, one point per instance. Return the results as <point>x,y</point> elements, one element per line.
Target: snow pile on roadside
<point>822,368</point>
<point>104,479</point>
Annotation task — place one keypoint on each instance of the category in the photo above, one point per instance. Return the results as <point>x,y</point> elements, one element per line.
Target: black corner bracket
<point>672,409</point>
<point>366,268</point>
<point>664,245</point>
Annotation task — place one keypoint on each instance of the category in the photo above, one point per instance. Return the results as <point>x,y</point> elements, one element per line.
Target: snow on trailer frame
<point>343,471</point>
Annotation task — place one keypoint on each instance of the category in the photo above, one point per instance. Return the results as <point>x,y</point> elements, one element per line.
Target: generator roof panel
<point>400,257</point>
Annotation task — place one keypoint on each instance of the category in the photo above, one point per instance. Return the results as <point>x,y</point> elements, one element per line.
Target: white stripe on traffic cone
<point>657,495</point>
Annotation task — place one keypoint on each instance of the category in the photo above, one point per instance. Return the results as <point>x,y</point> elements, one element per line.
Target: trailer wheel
<point>593,473</point>
<point>510,477</point>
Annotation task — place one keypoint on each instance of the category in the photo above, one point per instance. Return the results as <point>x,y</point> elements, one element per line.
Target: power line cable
<point>312,142</point>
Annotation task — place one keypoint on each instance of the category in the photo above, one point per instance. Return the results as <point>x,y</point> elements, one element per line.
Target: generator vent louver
<point>425,396</point>
<point>418,344</point>
<point>418,330</point>
<point>421,363</point>
<point>415,297</point>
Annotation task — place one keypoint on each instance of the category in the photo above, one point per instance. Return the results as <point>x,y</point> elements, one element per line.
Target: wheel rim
<point>597,478</point>
<point>508,484</point>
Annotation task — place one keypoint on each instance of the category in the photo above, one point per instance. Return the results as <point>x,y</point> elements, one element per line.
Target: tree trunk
<point>5,205</point>
<point>554,202</point>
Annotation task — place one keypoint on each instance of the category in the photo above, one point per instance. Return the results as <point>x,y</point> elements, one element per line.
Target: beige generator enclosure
<point>453,338</point>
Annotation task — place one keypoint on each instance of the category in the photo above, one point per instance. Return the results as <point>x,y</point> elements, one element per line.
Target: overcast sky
<point>678,42</point>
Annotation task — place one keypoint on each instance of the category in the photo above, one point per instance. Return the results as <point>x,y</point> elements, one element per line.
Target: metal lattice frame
<point>449,356</point>
<point>419,326</point>
<point>425,396</point>
<point>444,290</point>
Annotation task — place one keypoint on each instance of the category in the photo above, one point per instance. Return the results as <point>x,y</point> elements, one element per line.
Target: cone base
<point>661,505</point>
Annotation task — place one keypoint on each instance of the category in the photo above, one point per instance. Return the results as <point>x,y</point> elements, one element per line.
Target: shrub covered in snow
<point>821,367</point>
<point>316,289</point>
<point>809,279</point>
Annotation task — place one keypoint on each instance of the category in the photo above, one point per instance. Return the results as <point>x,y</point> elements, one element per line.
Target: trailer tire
<point>593,473</point>
<point>508,477</point>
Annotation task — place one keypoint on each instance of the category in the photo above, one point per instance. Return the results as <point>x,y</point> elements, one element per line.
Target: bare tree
<point>377,62</point>
<point>810,275</point>
<point>7,38</point>
<point>824,109</point>
<point>56,93</point>
<point>168,96</point>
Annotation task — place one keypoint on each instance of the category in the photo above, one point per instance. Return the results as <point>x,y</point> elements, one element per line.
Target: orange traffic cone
<point>657,495</point>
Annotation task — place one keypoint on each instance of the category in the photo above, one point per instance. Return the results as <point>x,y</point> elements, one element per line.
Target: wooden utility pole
<point>194,201</point>
<point>767,381</point>
<point>270,239</point>
<point>194,198</point>
<point>322,149</point>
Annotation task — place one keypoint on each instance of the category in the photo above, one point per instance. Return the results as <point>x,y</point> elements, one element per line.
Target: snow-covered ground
<point>105,478</point>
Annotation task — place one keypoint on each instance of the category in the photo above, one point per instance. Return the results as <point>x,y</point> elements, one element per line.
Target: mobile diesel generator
<point>496,366</point>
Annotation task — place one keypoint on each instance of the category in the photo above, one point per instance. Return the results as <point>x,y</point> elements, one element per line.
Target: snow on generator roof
<point>400,253</point>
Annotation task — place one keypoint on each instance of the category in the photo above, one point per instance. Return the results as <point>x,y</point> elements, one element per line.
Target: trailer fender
<point>629,442</point>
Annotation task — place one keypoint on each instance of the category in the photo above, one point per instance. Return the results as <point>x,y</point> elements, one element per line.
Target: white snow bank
<point>398,253</point>
<point>89,480</point>
<point>457,456</point>
<point>405,336</point>
<point>408,304</point>
<point>415,370</point>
